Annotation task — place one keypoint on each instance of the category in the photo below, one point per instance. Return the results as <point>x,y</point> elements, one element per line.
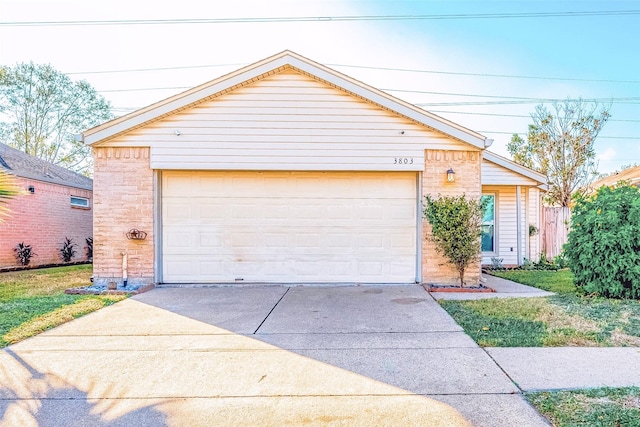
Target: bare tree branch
<point>560,145</point>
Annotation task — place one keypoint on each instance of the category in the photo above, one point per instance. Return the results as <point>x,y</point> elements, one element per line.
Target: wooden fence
<point>555,228</point>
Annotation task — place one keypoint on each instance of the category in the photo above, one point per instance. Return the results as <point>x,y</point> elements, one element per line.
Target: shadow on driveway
<point>268,355</point>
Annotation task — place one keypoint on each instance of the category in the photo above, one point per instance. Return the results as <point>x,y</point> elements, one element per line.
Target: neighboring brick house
<point>56,203</point>
<point>287,171</point>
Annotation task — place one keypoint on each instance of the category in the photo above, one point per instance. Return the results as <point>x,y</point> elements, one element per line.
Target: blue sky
<point>562,56</point>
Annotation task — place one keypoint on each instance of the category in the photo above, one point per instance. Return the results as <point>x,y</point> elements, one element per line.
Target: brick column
<point>467,168</point>
<point>123,199</point>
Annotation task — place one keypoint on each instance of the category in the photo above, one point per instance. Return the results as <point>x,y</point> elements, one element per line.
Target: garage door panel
<point>289,227</point>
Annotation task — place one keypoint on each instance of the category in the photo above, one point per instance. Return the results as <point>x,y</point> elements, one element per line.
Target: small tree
<point>560,144</point>
<point>603,250</point>
<point>455,229</point>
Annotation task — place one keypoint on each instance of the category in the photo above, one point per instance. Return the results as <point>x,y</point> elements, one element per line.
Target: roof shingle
<point>26,166</point>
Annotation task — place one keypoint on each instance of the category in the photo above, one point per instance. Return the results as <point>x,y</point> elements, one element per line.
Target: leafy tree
<point>560,145</point>
<point>8,190</point>
<point>41,109</point>
<point>455,229</point>
<point>603,249</point>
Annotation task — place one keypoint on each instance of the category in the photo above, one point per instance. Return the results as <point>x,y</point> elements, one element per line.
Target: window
<point>489,223</point>
<point>79,202</point>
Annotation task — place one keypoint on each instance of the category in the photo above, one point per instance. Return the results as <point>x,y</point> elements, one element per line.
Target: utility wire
<point>517,15</point>
<point>516,115</point>
<point>406,70</point>
<point>524,133</point>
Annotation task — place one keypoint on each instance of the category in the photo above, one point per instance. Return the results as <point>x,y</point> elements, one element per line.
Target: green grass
<point>560,281</point>
<point>565,319</point>
<point>596,407</point>
<point>34,300</point>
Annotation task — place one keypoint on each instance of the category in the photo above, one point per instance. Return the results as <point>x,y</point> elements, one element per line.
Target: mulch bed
<point>36,267</point>
<point>450,288</point>
<point>103,290</point>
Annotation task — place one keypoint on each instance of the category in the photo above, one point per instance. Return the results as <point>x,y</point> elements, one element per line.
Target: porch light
<point>451,175</point>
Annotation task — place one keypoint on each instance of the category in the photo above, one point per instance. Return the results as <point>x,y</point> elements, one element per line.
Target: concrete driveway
<point>265,355</point>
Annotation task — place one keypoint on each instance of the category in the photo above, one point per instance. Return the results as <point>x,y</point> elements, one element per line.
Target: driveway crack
<point>270,311</point>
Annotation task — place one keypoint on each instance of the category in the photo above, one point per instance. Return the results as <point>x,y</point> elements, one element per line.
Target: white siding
<point>507,224</point>
<point>493,174</point>
<point>535,207</point>
<point>287,121</point>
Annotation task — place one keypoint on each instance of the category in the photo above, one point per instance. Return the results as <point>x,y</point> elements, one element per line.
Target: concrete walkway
<point>270,355</point>
<point>504,289</point>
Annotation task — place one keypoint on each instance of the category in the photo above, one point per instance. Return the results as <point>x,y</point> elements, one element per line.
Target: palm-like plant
<point>8,190</point>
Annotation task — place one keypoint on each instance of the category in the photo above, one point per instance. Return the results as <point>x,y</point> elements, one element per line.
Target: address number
<point>403,160</point>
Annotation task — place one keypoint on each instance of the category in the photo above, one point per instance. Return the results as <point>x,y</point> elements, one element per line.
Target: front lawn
<point>596,407</point>
<point>33,301</point>
<point>565,319</point>
<point>560,281</point>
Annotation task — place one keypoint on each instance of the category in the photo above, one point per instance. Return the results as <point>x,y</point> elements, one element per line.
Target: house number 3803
<point>403,160</point>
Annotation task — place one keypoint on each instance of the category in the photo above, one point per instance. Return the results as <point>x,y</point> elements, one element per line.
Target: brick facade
<point>43,219</point>
<point>125,184</point>
<point>467,168</point>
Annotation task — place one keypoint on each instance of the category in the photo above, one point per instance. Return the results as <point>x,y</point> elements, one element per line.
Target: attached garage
<point>284,171</point>
<point>286,227</point>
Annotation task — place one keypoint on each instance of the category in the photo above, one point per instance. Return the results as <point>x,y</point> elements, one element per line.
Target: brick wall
<point>123,184</point>
<point>467,168</point>
<point>43,220</point>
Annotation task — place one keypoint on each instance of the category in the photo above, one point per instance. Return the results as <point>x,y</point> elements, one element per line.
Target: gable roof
<point>272,65</point>
<point>24,165</point>
<point>541,179</point>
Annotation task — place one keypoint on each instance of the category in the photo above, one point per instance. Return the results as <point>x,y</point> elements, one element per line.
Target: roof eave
<point>522,170</point>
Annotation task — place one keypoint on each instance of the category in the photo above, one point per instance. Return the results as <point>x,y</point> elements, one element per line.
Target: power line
<point>524,133</point>
<point>516,115</point>
<point>145,89</point>
<point>511,99</point>
<point>135,70</point>
<point>406,70</point>
<point>510,76</point>
<point>517,15</point>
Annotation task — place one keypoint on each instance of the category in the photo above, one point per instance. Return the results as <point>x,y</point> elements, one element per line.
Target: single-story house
<point>286,171</point>
<point>56,204</point>
<point>630,175</point>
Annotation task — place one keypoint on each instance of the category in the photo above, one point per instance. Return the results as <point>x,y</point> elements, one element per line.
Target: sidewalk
<point>556,368</point>
<point>504,289</point>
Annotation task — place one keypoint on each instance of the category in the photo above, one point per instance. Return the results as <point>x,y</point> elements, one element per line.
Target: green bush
<point>603,249</point>
<point>455,229</point>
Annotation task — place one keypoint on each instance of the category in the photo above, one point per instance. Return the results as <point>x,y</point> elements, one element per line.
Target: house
<point>287,171</point>
<point>56,204</point>
<point>630,175</point>
<point>514,211</point>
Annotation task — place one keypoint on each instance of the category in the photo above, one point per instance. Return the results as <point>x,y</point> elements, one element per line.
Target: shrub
<point>603,248</point>
<point>455,229</point>
<point>23,253</point>
<point>68,250</point>
<point>496,263</point>
<point>89,241</point>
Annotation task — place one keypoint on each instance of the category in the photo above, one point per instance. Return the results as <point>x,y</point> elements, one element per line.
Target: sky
<point>482,64</point>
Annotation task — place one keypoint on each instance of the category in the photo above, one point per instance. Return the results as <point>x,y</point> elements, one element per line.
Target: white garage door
<point>289,227</point>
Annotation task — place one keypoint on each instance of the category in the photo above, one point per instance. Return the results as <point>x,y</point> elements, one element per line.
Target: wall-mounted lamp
<point>451,175</point>
<point>31,189</point>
